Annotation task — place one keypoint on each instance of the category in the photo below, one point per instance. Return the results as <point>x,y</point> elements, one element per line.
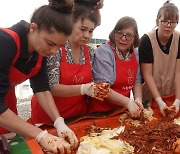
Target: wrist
<point>41,135</point>
<point>138,100</point>
<point>58,120</point>
<point>162,105</point>
<point>129,103</point>
<point>159,100</point>
<point>82,89</point>
<point>176,102</point>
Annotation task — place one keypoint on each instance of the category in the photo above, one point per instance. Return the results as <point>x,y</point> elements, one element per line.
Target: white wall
<point>24,91</point>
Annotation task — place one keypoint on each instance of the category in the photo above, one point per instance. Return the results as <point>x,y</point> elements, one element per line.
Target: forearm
<point>47,103</point>
<point>61,90</point>
<point>147,71</point>
<point>177,86</point>
<point>149,80</point>
<point>117,98</point>
<point>98,16</point>
<point>177,81</point>
<point>97,11</point>
<point>137,91</point>
<point>10,121</point>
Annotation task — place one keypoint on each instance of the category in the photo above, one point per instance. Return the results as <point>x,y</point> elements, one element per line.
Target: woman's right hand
<point>87,89</point>
<point>133,108</point>
<point>51,143</point>
<point>66,133</point>
<point>162,105</point>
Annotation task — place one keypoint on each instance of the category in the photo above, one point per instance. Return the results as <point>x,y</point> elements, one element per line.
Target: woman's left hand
<point>175,105</point>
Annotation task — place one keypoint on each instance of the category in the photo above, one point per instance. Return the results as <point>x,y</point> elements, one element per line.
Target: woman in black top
<point>160,58</point>
<point>23,51</point>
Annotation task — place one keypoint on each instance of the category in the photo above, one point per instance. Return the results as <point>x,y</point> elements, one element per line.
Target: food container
<point>4,147</point>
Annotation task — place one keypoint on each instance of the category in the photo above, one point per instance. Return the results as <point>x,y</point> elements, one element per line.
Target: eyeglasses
<point>128,36</point>
<point>167,22</point>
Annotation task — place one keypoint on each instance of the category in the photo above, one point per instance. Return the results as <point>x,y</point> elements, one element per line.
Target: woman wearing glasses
<point>116,62</point>
<point>160,58</point>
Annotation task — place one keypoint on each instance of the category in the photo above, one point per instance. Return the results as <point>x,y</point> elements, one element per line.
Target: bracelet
<point>40,135</point>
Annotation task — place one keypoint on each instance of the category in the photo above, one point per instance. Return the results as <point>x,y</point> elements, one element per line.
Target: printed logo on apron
<point>130,77</point>
<point>77,80</point>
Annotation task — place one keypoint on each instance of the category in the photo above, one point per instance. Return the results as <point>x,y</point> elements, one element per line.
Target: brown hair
<point>82,12</point>
<point>170,12</point>
<point>123,23</point>
<point>57,14</point>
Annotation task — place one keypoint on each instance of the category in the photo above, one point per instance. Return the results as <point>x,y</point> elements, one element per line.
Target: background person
<point>160,58</point>
<point>23,51</point>
<point>94,6</point>
<point>116,62</point>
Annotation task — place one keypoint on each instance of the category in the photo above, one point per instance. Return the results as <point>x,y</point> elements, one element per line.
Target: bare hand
<point>99,5</point>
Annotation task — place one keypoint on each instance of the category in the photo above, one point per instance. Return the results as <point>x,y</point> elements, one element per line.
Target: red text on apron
<point>16,77</point>
<point>70,74</point>
<point>125,79</point>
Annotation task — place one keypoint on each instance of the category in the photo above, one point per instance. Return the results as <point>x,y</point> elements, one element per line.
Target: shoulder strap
<point>16,40</point>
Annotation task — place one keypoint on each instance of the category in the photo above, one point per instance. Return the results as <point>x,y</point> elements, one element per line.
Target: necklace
<point>120,55</point>
<point>164,47</point>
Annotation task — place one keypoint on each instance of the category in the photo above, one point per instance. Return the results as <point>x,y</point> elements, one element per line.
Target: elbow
<point>54,92</point>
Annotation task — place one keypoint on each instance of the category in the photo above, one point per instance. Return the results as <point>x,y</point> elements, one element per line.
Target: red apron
<point>69,107</point>
<point>125,79</point>
<point>16,77</point>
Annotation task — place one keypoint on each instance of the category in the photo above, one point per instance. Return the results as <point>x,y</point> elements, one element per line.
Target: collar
<point>120,55</point>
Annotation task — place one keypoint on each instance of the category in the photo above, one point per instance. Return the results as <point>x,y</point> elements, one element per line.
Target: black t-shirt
<point>146,52</point>
<point>25,63</point>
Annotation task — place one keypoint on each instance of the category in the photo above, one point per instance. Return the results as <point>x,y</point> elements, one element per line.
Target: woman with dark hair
<point>92,5</point>
<point>160,58</point>
<point>116,62</point>
<point>23,51</point>
<point>70,70</point>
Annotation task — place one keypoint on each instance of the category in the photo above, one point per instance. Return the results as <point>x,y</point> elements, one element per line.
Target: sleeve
<point>91,54</point>
<point>104,65</point>
<point>145,50</point>
<point>138,74</point>
<point>39,82</point>
<point>178,56</point>
<point>53,65</point>
<point>7,53</point>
